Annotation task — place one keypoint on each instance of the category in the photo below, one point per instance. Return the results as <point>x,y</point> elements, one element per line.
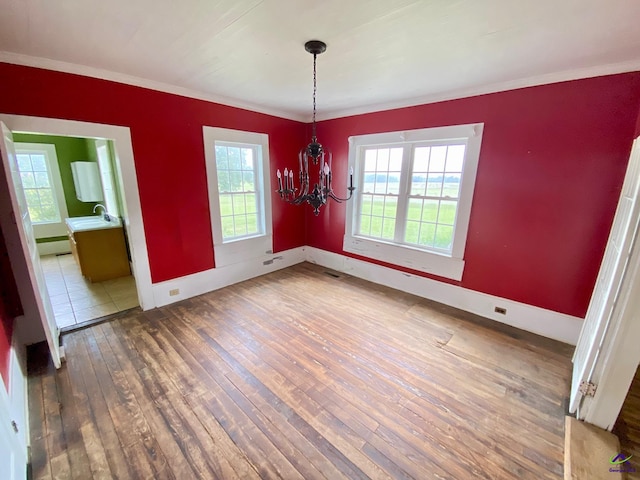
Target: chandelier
<point>322,190</point>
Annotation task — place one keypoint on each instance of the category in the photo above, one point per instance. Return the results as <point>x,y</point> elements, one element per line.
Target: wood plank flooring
<point>301,375</point>
<point>627,428</point>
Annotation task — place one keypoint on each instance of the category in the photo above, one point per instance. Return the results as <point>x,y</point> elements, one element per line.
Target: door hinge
<point>587,389</point>
<point>14,425</point>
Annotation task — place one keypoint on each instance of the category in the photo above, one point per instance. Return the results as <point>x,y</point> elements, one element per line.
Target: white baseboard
<point>53,248</point>
<point>215,278</point>
<point>547,323</point>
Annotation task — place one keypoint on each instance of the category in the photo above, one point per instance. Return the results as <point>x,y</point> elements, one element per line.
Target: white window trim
<point>237,250</point>
<point>441,264</point>
<point>107,178</point>
<point>51,229</point>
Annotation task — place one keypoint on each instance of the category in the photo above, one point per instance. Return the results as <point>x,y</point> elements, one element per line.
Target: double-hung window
<point>238,190</point>
<point>238,181</point>
<point>414,197</point>
<point>42,185</point>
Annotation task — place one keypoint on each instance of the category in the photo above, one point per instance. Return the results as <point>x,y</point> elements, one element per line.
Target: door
<point>13,465</point>
<point>591,346</point>
<point>21,245</point>
<point>13,424</point>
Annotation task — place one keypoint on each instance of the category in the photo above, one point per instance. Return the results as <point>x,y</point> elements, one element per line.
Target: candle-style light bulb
<point>351,178</point>
<point>291,179</point>
<point>279,174</point>
<point>327,176</point>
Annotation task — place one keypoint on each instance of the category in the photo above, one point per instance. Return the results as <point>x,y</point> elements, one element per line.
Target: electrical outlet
<point>173,292</point>
<point>500,310</point>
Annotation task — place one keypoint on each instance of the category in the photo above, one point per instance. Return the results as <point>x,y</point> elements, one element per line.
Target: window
<point>37,184</point>
<point>42,185</point>
<point>239,194</point>
<point>238,181</point>
<point>414,198</point>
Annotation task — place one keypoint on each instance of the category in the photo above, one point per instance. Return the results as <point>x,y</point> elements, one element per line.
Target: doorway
<point>46,164</point>
<point>130,195</point>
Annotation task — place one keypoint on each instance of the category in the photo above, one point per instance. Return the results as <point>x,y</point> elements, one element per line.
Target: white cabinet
<point>86,178</point>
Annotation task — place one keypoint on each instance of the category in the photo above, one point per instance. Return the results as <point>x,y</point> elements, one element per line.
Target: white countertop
<point>95,222</point>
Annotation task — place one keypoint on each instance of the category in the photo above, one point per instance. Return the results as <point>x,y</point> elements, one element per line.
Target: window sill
<point>428,262</point>
<point>242,239</point>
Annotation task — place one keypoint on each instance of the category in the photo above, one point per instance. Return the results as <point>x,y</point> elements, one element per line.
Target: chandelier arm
<point>302,195</point>
<point>305,171</point>
<point>340,200</point>
<point>304,174</point>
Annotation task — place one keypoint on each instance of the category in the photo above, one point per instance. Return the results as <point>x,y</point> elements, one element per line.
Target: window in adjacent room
<point>413,204</point>
<point>40,176</point>
<point>238,181</point>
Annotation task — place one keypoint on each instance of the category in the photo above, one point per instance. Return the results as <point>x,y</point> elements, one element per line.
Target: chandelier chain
<point>314,98</point>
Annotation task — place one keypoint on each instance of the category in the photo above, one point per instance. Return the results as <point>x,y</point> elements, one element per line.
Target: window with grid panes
<point>237,164</point>
<point>37,184</point>
<point>414,200</point>
<point>238,190</point>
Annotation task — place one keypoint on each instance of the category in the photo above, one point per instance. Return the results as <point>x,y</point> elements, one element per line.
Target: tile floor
<point>76,300</point>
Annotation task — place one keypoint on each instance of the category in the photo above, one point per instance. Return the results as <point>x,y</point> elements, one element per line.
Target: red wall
<point>551,168</point>
<point>166,132</point>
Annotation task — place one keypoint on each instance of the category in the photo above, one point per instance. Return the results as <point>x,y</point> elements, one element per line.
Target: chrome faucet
<point>105,215</point>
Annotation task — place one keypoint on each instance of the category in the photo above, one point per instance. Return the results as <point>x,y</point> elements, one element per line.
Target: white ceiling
<point>380,54</point>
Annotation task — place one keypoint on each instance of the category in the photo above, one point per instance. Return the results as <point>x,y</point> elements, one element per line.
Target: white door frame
<point>124,156</point>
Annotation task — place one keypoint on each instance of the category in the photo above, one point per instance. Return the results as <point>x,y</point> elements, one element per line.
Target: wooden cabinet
<point>101,254</point>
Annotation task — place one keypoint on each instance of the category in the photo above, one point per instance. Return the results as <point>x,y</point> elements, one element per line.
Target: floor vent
<point>331,274</point>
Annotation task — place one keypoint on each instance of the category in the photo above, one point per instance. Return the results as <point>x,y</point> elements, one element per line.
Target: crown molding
<point>566,75</point>
<point>556,77</point>
<point>59,66</point>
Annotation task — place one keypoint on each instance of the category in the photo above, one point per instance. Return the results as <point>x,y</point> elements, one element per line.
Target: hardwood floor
<point>627,428</point>
<point>299,374</point>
